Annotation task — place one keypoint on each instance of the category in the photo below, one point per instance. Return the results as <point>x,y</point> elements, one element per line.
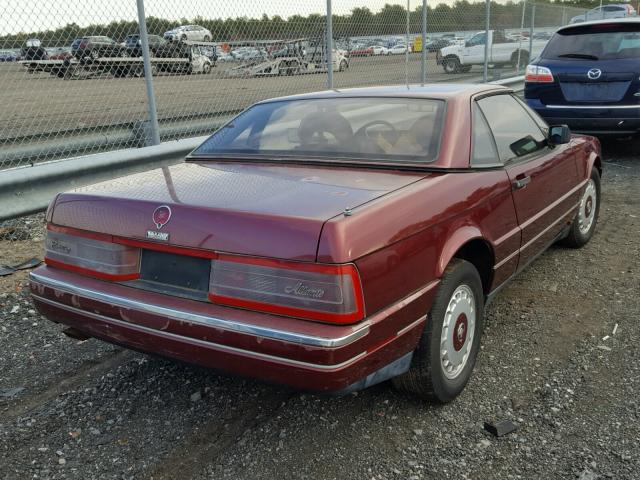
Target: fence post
<point>423,71</point>
<point>407,44</point>
<point>154,130</point>
<point>533,21</point>
<point>486,41</point>
<point>524,6</point>
<point>329,46</point>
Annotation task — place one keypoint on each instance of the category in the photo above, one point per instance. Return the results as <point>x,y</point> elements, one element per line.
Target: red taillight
<point>326,293</point>
<point>91,254</point>
<point>537,74</point>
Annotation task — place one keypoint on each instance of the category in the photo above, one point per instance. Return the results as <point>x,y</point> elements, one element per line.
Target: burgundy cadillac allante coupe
<point>327,241</point>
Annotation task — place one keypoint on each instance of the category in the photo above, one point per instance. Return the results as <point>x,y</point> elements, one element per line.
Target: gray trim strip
<point>203,343</point>
<point>596,107</point>
<point>536,217</point>
<point>209,321</point>
<point>411,326</point>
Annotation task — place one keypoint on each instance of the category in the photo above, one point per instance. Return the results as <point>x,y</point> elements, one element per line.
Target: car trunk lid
<point>251,209</point>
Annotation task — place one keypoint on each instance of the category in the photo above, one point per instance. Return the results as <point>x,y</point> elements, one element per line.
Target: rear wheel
<point>446,354</point>
<point>206,68</point>
<point>451,65</point>
<point>584,223</point>
<point>343,66</point>
<point>207,38</point>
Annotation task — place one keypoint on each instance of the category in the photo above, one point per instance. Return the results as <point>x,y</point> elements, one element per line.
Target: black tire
<point>343,66</point>
<point>206,38</point>
<point>426,377</point>
<point>579,236</point>
<point>451,65</point>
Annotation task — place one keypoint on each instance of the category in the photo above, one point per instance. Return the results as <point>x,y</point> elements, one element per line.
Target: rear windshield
<point>372,129</point>
<point>607,41</point>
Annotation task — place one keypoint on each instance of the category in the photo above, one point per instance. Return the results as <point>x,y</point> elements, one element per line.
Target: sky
<point>37,15</point>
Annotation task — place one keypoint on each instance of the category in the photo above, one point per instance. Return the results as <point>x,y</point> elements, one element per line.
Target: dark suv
<point>97,46</point>
<point>133,44</point>
<point>588,77</point>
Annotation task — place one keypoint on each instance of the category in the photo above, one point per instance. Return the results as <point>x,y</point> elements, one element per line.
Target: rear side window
<point>604,41</point>
<point>483,151</point>
<point>515,132</point>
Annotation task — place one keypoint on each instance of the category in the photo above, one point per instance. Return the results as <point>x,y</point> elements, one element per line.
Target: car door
<point>473,51</point>
<point>544,179</point>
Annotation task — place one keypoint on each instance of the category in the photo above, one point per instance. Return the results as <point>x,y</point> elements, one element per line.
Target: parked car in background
<point>133,44</point>
<point>502,51</point>
<point>604,12</point>
<point>8,56</point>
<point>438,43</point>
<point>33,50</point>
<point>97,46</point>
<point>361,51</point>
<point>399,49</point>
<point>225,57</point>
<point>249,54</point>
<point>328,241</point>
<point>189,32</point>
<point>59,53</point>
<point>380,50</point>
<point>588,77</point>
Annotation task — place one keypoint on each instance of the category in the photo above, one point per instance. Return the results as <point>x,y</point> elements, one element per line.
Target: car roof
<point>623,20</point>
<point>443,91</point>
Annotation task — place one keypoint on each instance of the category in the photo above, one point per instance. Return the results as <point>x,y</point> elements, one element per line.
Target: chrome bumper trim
<point>200,319</point>
<point>595,107</point>
<point>216,346</point>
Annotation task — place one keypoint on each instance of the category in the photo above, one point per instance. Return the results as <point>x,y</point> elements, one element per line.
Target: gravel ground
<point>550,362</point>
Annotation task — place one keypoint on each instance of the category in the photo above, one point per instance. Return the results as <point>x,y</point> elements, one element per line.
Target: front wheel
<point>584,223</point>
<point>446,354</point>
<point>343,66</point>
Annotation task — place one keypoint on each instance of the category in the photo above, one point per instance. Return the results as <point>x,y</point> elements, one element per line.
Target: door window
<point>516,133</point>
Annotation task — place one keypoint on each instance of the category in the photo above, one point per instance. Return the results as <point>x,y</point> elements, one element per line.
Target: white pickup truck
<point>502,51</point>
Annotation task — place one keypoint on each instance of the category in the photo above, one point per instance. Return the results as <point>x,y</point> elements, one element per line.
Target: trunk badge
<point>594,73</point>
<point>162,236</point>
<point>161,216</point>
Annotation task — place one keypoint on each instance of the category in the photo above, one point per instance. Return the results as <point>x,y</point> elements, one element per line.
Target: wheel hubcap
<point>458,330</point>
<point>587,211</point>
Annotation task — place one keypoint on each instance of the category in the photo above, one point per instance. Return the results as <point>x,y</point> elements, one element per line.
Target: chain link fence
<point>73,79</point>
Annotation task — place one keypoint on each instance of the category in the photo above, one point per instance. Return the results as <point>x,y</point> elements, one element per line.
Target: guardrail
<point>27,190</point>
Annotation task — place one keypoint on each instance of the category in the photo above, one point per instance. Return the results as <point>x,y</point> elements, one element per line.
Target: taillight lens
<point>327,293</point>
<point>92,255</point>
<point>538,74</point>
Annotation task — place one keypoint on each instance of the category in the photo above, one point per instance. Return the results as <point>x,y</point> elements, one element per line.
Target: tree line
<point>390,20</point>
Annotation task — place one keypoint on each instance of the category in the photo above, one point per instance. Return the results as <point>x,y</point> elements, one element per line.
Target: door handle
<point>521,182</point>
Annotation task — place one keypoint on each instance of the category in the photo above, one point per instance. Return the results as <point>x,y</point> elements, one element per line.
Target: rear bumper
<point>301,354</point>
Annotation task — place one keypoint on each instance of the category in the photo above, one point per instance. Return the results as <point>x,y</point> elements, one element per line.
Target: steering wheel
<point>363,130</point>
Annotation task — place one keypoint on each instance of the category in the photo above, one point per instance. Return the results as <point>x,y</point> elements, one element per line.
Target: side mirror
<point>559,134</point>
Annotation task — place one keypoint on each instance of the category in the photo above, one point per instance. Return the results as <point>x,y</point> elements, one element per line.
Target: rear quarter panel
<point>405,240</point>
